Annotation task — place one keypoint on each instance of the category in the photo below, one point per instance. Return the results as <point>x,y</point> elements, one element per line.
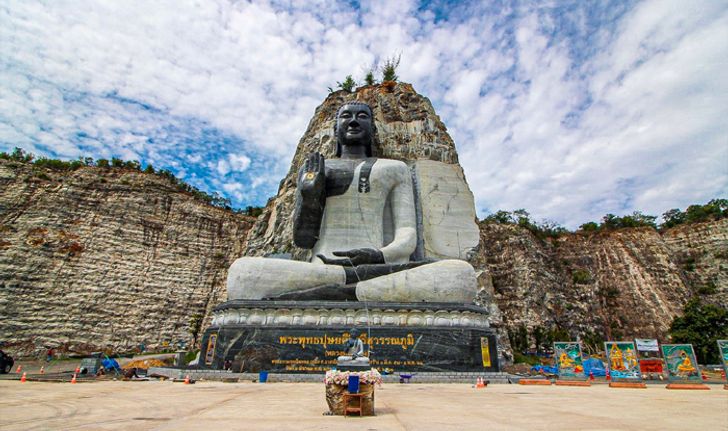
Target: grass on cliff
<point>214,199</point>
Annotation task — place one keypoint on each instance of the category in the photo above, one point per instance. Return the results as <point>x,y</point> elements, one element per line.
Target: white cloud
<point>568,112</point>
<point>239,162</point>
<point>223,167</point>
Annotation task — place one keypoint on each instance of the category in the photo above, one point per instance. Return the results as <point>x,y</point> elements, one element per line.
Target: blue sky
<point>569,109</point>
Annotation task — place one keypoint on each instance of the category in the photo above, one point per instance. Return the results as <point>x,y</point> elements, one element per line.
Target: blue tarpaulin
<point>595,366</point>
<point>109,364</point>
<point>544,368</point>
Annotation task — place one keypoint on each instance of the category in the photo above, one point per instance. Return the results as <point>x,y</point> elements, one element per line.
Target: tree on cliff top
<point>636,219</point>
<point>369,78</point>
<point>701,325</point>
<point>389,69</point>
<point>521,217</point>
<point>348,84</point>
<point>716,209</point>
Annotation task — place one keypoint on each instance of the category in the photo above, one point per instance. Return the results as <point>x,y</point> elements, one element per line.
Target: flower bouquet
<point>336,377</point>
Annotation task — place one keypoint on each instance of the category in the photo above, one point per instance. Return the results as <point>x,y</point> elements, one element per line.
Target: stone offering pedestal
<point>308,336</point>
<point>335,399</point>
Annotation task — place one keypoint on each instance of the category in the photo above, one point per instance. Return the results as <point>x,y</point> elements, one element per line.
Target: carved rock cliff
<point>619,284</point>
<point>107,258</point>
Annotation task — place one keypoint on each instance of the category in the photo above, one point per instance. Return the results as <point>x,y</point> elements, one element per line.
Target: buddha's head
<point>354,126</point>
<point>354,333</point>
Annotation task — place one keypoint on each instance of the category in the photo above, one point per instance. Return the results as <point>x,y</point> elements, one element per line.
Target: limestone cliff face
<point>100,258</point>
<point>407,129</point>
<point>620,284</point>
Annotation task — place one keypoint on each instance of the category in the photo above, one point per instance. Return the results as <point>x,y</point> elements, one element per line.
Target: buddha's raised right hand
<point>312,180</point>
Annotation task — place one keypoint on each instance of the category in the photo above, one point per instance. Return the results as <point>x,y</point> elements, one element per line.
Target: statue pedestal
<point>309,336</point>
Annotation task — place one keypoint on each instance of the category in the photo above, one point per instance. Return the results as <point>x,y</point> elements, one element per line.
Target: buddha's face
<point>354,125</point>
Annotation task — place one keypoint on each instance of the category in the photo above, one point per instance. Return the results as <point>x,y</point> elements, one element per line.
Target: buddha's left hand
<point>358,256</point>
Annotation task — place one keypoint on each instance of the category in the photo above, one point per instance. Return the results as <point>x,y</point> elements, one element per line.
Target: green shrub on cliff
<point>521,217</point>
<point>348,85</point>
<point>589,227</point>
<point>581,276</point>
<point>389,69</point>
<point>59,165</point>
<point>636,219</point>
<point>369,78</point>
<point>701,325</point>
<point>714,210</point>
<point>18,155</point>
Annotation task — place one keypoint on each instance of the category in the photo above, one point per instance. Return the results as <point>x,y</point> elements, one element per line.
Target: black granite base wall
<point>312,350</point>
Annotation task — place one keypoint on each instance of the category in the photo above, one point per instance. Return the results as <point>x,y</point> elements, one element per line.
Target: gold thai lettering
<point>403,342</point>
<point>326,340</point>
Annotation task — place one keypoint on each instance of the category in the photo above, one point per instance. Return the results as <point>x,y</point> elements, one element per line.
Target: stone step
<point>424,377</point>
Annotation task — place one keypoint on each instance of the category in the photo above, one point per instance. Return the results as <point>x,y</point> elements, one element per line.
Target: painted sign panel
<point>651,366</point>
<point>723,352</point>
<point>681,363</point>
<point>622,361</point>
<point>485,352</point>
<point>568,360</point>
<point>647,345</point>
<point>210,352</point>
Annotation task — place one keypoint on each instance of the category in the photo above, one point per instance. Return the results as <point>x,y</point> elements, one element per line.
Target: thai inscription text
<point>326,340</point>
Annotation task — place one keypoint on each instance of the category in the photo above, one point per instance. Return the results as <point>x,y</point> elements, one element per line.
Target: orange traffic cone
<point>73,380</point>
<point>22,379</point>
<point>20,368</point>
<point>187,379</point>
<point>42,369</point>
<point>480,384</point>
<point>591,376</point>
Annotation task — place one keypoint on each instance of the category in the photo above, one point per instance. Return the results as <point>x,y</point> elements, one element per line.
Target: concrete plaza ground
<point>163,405</point>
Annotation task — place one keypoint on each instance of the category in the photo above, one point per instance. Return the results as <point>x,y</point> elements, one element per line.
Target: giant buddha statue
<point>357,215</point>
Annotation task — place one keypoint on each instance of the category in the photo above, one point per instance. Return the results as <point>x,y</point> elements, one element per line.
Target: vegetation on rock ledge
<point>389,74</point>
<point>522,218</point>
<point>215,199</point>
<point>716,209</point>
<point>701,325</point>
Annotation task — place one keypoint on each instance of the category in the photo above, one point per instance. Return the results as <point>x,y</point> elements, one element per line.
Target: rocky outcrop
<point>700,251</point>
<point>617,284</point>
<point>107,258</point>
